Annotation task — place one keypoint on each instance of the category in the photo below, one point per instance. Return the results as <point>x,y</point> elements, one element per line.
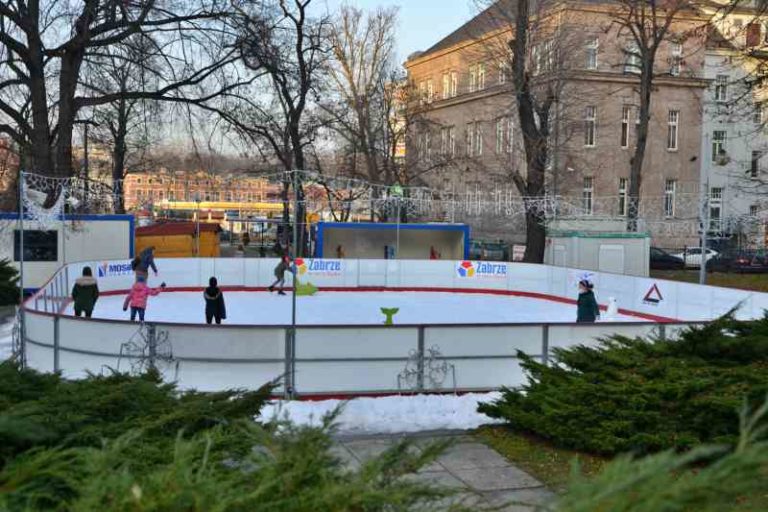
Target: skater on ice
<point>138,296</point>
<point>285,264</point>
<point>143,262</point>
<point>214,302</point>
<point>587,309</point>
<point>85,293</point>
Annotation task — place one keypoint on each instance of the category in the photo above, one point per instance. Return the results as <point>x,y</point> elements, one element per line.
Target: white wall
<point>77,241</point>
<point>360,358</point>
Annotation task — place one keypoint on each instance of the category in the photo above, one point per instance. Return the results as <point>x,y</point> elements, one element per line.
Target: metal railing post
<point>289,365</point>
<point>56,341</point>
<point>152,344</point>
<point>420,353</point>
<point>545,344</point>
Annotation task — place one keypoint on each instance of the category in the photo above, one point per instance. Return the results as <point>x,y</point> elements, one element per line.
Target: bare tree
<point>44,46</point>
<point>363,46</point>
<point>648,24</point>
<point>281,39</point>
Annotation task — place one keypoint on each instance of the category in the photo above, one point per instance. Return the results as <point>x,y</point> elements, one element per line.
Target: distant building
<point>465,134</point>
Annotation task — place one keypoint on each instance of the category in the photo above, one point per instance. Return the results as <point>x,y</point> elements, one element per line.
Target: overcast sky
<point>422,22</point>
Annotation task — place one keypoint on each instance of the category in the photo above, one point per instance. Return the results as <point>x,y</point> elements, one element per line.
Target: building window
<point>454,84</point>
<point>446,86</point>
<point>754,168</point>
<point>472,78</point>
<point>422,92</point>
<point>38,245</point>
<point>623,196</point>
<point>501,127</point>
<point>510,135</point>
<point>452,141</point>
<point>428,144</point>
<point>469,136</point>
<point>633,59</point>
<point>480,77</point>
<point>676,58</point>
<point>626,113</point>
<point>718,144</point>
<point>444,141</point>
<point>549,55</point>
<point>448,142</point>
<point>754,210</point>
<point>478,139</point>
<point>592,47</point>
<point>590,121</point>
<point>757,113</point>
<point>503,71</point>
<point>673,121</point>
<point>587,194</point>
<point>430,91</point>
<point>721,88</point>
<point>715,208</point>
<point>670,189</point>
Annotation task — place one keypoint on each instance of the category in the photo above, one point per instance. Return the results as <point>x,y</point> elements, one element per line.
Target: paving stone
<point>441,478</point>
<point>519,500</point>
<point>496,479</point>
<point>471,456</point>
<point>348,460</point>
<point>365,449</point>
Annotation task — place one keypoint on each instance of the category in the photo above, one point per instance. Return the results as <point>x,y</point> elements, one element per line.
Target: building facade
<point>466,135</point>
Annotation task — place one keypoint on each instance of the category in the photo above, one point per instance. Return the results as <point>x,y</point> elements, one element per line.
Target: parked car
<point>662,260</point>
<point>741,261</point>
<point>692,256</point>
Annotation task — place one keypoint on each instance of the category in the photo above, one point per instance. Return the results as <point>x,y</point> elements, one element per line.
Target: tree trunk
<point>535,238</point>
<point>636,164</point>
<point>118,159</point>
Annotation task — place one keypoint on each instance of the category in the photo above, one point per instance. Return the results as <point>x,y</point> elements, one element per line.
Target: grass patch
<point>752,282</point>
<point>549,464</point>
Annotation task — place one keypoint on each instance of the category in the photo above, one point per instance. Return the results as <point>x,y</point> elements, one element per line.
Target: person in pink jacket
<point>137,297</point>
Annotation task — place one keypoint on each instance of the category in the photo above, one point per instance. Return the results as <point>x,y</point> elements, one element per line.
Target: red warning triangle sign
<point>654,295</point>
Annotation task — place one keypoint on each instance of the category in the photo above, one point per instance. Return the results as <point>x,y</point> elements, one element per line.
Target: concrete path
<point>484,477</point>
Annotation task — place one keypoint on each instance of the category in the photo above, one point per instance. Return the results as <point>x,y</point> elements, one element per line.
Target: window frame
<point>721,88</point>
<point>673,130</point>
<point>590,126</point>
<point>670,198</point>
<point>592,49</point>
<point>626,116</point>
<point>718,143</point>
<point>623,196</point>
<point>588,195</point>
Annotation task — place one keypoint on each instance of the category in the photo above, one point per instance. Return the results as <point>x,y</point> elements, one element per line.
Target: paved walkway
<point>483,475</point>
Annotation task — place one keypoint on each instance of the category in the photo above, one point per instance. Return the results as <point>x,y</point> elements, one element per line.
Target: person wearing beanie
<point>587,310</point>
<point>85,293</point>
<point>214,302</point>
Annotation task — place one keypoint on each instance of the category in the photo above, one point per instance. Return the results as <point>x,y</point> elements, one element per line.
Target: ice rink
<point>358,308</point>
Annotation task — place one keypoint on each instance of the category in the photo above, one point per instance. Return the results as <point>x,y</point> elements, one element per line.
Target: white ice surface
<point>360,308</point>
<point>6,339</point>
<point>390,414</point>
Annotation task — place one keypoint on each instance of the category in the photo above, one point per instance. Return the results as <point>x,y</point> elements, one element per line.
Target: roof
<point>176,228</point>
<point>498,16</point>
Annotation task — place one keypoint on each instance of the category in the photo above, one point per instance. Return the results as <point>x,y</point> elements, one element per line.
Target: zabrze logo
<point>107,269</point>
<point>653,297</point>
<point>481,269</point>
<point>318,267</point>
<point>465,269</point>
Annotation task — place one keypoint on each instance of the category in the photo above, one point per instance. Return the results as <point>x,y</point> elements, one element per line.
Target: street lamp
<point>197,225</point>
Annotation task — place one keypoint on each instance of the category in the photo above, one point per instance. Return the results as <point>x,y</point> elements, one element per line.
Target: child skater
<point>137,297</point>
<point>214,302</point>
<point>85,293</point>
<point>280,269</point>
<point>587,309</point>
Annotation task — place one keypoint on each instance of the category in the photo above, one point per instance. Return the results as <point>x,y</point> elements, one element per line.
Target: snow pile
<point>6,340</point>
<point>390,414</point>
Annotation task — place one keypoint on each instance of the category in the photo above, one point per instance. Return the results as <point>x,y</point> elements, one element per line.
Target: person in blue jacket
<point>143,262</point>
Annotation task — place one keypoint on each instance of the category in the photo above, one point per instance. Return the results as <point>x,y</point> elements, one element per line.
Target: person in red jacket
<point>137,297</point>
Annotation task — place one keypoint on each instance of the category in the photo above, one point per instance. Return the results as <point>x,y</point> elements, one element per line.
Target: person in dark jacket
<point>280,270</point>
<point>85,293</point>
<point>587,309</point>
<point>214,302</point>
<point>143,262</point>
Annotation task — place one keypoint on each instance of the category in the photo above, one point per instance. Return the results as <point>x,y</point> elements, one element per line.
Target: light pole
<point>197,225</point>
<point>292,340</point>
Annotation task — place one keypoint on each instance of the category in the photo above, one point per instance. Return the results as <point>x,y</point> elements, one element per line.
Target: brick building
<point>465,134</point>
